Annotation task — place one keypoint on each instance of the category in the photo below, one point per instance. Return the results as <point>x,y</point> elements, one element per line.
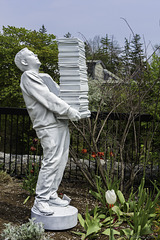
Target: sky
<point>86,19</point>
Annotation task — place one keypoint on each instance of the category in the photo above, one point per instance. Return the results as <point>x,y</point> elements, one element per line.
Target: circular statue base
<point>62,219</point>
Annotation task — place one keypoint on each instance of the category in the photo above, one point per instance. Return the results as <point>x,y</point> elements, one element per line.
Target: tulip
<point>94,155</point>
<point>110,197</point>
<point>111,154</point>
<point>84,150</point>
<point>100,154</point>
<point>33,149</point>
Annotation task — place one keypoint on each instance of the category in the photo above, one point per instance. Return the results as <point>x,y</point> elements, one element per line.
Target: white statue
<point>43,105</point>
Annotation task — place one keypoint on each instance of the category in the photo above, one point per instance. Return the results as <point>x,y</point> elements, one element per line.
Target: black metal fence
<point>141,150</point>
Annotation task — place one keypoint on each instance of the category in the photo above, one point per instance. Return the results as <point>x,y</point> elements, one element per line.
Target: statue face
<point>31,59</point>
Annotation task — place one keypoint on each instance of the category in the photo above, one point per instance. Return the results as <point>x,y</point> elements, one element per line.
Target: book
<point>73,74</point>
<point>79,86</point>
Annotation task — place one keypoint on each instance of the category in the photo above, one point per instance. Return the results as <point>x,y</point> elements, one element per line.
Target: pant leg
<point>65,141</point>
<point>55,149</point>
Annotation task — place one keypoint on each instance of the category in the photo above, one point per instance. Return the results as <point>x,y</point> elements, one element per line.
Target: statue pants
<point>55,144</point>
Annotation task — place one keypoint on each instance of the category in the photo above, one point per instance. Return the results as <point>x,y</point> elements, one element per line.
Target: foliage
<point>31,177</point>
<point>13,39</point>
<point>142,213</point>
<point>139,212</point>
<point>157,222</point>
<point>91,224</point>
<point>27,231</point>
<point>134,142</point>
<point>105,49</point>
<point>30,180</point>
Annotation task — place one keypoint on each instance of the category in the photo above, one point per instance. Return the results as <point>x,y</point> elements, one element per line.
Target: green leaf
<point>108,232</point>
<point>146,230</point>
<point>96,195</point>
<point>78,233</point>
<point>127,231</point>
<point>102,216</point>
<point>26,200</point>
<point>126,207</point>
<point>117,211</point>
<point>121,197</point>
<point>81,220</point>
<point>93,228</point>
<point>106,220</point>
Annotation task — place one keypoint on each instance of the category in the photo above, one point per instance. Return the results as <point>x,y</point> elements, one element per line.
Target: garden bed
<point>14,211</point>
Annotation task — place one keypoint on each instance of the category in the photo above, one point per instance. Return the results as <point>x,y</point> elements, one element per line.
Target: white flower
<point>110,196</point>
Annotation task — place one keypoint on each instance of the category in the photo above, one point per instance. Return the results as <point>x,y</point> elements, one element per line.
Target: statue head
<point>27,60</point>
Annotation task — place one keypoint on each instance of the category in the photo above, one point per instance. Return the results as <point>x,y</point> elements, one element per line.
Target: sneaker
<point>43,207</point>
<point>58,202</point>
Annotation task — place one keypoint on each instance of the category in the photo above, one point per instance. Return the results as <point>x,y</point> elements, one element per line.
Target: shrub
<point>27,231</point>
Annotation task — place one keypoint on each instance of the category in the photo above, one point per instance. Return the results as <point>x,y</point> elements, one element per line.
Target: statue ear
<point>24,62</point>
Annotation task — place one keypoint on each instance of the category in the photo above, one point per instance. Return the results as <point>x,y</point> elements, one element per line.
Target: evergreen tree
<point>43,29</point>
<point>126,59</point>
<point>110,54</point>
<point>136,54</point>
<point>68,35</point>
<point>106,50</point>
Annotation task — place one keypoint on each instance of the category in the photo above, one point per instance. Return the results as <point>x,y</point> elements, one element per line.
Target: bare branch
<point>128,25</point>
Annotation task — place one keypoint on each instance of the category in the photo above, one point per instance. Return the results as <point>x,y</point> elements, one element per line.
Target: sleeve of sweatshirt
<point>34,87</point>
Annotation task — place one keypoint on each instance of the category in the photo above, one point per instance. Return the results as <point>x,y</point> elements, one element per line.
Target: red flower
<point>111,154</point>
<point>84,150</point>
<point>32,171</point>
<point>94,154</point>
<point>33,149</point>
<point>100,154</point>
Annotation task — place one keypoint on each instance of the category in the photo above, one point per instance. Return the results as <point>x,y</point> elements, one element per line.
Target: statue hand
<point>73,114</point>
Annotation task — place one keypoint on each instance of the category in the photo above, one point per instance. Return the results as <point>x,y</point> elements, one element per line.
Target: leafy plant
<point>100,193</point>
<point>27,231</point>
<point>156,227</point>
<point>138,212</point>
<point>143,214</point>
<point>91,225</point>
<point>30,180</point>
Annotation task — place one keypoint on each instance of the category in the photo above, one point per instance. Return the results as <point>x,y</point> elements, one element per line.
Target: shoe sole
<point>41,213</point>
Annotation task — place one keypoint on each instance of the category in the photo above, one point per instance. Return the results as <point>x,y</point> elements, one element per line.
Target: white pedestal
<point>62,219</point>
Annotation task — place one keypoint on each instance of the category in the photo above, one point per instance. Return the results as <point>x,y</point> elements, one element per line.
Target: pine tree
<point>68,35</point>
<point>136,54</point>
<point>43,29</point>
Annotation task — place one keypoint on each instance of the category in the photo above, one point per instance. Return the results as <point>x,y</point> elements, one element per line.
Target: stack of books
<point>73,74</point>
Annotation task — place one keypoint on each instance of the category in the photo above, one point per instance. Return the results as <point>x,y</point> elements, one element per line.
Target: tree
<point>43,29</point>
<point>107,50</point>
<point>13,39</point>
<point>68,35</point>
<point>136,53</point>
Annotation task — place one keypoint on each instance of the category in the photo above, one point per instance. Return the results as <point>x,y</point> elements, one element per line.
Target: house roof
<point>91,66</point>
<point>109,77</point>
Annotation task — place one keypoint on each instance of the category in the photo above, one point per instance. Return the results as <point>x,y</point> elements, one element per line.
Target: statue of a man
<point>43,105</point>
